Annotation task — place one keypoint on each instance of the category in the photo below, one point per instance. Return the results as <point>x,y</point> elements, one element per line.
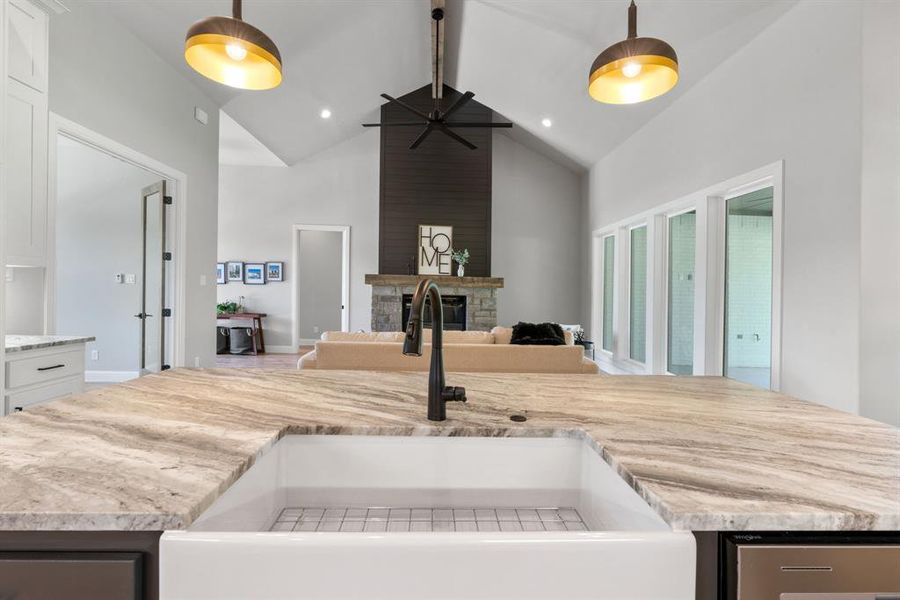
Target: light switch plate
<point>130,278</point>
<point>10,274</point>
<point>120,278</point>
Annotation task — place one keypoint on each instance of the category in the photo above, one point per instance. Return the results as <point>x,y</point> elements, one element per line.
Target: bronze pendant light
<point>232,52</point>
<point>633,70</point>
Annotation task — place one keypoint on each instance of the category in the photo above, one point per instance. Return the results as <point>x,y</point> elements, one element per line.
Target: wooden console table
<point>256,318</point>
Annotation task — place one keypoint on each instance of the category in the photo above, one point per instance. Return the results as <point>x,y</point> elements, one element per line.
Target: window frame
<point>709,205</point>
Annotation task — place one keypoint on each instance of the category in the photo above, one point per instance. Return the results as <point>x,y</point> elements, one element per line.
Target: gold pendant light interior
<point>633,70</point>
<point>233,52</point>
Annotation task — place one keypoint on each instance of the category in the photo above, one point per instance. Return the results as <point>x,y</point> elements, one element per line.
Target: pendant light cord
<point>632,20</point>
<point>236,10</point>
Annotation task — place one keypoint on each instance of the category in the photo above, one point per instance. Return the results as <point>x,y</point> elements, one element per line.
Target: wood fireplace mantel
<point>441,280</point>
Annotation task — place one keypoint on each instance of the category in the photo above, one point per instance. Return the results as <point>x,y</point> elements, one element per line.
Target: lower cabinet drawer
<point>70,575</point>
<point>16,401</point>
<point>43,367</point>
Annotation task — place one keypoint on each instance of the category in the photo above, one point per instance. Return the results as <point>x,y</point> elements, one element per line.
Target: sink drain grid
<point>395,519</point>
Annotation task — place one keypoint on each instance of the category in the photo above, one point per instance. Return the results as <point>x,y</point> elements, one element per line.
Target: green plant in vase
<point>228,307</point>
<point>462,258</point>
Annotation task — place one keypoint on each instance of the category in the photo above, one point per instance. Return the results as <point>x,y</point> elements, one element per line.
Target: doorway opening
<point>110,272</point>
<point>748,287</point>
<point>321,291</point>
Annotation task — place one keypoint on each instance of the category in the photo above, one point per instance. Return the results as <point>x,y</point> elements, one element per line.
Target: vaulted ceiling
<point>527,59</point>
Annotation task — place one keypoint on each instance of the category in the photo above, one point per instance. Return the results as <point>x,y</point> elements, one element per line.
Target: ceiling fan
<point>437,119</point>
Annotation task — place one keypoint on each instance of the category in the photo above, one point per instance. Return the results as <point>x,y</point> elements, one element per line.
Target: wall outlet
<point>130,278</point>
<point>197,362</point>
<point>95,355</point>
<point>200,115</point>
<point>120,278</point>
<point>203,280</point>
<point>10,274</point>
<point>316,329</point>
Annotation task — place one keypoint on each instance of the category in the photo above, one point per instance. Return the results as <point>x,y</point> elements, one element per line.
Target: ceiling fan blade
<point>397,124</point>
<point>486,124</point>
<point>459,139</point>
<point>458,104</point>
<point>421,137</point>
<point>415,111</point>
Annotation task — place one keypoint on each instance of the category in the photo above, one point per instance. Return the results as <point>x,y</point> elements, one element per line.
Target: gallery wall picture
<point>234,270</point>
<point>274,271</point>
<point>220,273</point>
<point>435,247</point>
<point>255,273</point>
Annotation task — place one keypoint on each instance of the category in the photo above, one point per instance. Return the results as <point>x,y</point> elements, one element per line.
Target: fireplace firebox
<point>454,312</point>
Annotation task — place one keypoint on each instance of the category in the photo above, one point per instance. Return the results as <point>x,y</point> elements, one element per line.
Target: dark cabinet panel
<point>79,565</point>
<point>70,575</point>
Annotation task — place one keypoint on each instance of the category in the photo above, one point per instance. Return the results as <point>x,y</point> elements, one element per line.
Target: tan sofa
<point>464,351</point>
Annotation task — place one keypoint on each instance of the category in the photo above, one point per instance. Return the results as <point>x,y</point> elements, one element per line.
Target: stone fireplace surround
<point>480,292</point>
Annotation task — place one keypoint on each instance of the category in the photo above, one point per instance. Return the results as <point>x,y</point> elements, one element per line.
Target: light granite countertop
<point>705,453</point>
<point>20,343</point>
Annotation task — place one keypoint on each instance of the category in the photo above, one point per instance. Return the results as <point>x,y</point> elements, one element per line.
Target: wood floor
<point>261,361</point>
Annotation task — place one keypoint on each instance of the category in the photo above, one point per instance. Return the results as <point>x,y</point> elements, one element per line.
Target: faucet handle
<point>454,393</point>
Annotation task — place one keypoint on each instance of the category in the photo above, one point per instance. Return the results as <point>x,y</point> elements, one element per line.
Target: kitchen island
<point>706,454</point>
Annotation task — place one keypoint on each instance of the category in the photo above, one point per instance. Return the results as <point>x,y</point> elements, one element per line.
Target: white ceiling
<point>237,146</point>
<point>527,59</point>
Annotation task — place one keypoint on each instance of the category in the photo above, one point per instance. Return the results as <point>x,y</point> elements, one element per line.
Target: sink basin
<point>428,518</point>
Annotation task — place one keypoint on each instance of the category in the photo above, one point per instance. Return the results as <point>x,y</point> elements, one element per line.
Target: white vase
<point>460,270</point>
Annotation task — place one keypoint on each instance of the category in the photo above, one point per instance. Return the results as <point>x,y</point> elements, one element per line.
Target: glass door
<point>153,278</point>
<point>609,266</point>
<point>748,288</point>
<point>637,295</point>
<point>682,236</point>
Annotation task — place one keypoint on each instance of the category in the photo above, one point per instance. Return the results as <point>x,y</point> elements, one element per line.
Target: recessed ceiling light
<point>325,114</point>
<point>546,122</point>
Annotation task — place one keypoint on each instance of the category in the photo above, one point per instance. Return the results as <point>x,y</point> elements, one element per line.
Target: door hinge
<point>165,367</point>
<point>167,312</point>
<point>167,199</point>
<point>167,256</point>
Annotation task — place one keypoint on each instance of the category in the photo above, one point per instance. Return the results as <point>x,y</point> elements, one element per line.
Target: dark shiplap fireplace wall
<point>440,183</point>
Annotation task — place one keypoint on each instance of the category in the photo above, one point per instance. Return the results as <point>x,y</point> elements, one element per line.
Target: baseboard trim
<point>110,376</point>
<point>281,349</point>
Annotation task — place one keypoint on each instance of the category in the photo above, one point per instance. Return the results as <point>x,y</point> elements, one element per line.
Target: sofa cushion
<point>362,336</point>
<point>379,356</point>
<point>537,334</point>
<point>463,337</point>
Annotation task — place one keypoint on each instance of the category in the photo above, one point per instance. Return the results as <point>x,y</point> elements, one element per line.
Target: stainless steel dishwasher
<point>777,567</point>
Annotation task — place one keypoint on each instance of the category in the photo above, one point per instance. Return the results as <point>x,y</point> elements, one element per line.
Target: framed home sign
<point>435,247</point>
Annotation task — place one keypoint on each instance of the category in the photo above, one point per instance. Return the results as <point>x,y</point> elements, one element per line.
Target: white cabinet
<point>42,375</point>
<point>26,123</point>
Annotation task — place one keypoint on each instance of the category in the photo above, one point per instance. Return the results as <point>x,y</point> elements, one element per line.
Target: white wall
<point>536,235</point>
<point>319,272</point>
<point>104,78</point>
<point>793,93</point>
<point>98,234</point>
<point>880,227</point>
<point>259,205</point>
<point>24,309</point>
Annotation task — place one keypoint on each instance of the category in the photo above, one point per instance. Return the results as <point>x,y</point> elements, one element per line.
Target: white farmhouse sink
<point>428,518</point>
